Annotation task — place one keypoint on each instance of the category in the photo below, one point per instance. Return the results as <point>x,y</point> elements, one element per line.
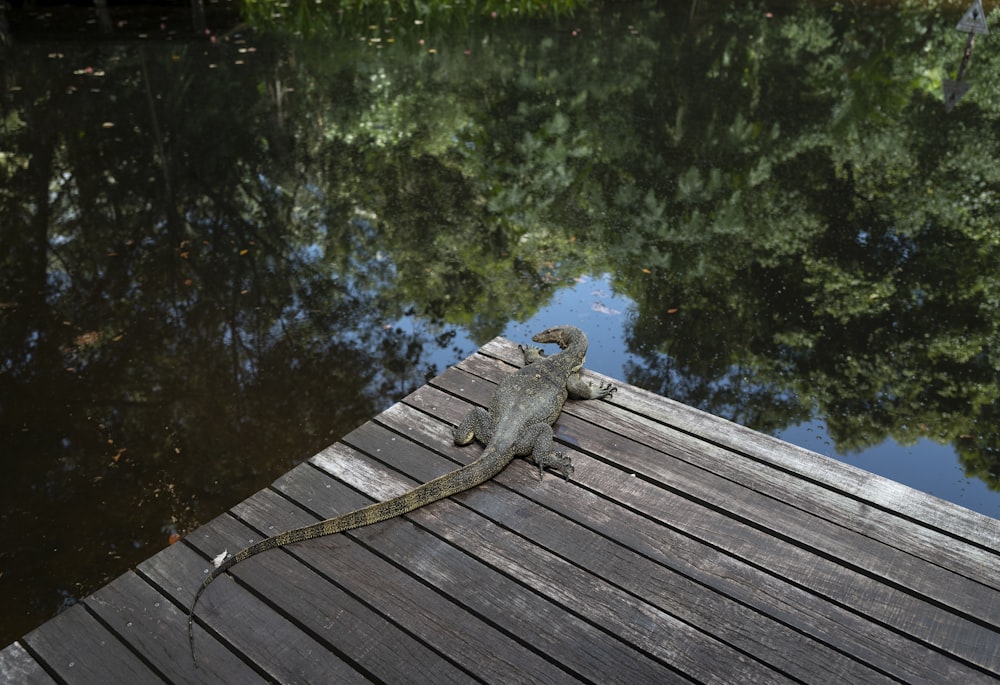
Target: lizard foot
<point>605,390</point>
<point>557,461</point>
<point>531,353</point>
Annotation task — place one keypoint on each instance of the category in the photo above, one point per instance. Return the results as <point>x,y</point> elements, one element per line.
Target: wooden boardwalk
<point>685,549</point>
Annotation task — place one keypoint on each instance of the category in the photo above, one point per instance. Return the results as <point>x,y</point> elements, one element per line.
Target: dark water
<point>222,250</point>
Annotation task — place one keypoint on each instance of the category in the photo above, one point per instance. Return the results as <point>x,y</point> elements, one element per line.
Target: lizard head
<point>561,335</point>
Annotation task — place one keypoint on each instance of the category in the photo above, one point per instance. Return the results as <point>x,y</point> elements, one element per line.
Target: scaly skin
<point>518,422</point>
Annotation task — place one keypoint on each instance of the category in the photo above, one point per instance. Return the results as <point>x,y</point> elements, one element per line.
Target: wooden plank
<point>864,486</point>
<point>709,570</point>
<point>808,530</point>
<point>796,476</point>
<point>928,510</point>
<point>17,666</point>
<point>635,579</point>
<point>156,628</point>
<point>319,640</point>
<point>76,647</point>
<point>909,537</point>
<point>228,618</point>
<point>647,448</point>
<point>967,638</point>
<point>318,601</point>
<point>431,617</point>
<point>525,612</point>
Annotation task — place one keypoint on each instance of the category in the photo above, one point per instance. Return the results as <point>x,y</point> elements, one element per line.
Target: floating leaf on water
<point>604,309</point>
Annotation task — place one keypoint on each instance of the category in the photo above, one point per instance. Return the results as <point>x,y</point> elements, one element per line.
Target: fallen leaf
<point>219,559</point>
<point>174,537</point>
<point>88,338</point>
<point>673,310</point>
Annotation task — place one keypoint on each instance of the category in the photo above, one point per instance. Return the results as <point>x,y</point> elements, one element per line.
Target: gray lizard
<point>518,422</point>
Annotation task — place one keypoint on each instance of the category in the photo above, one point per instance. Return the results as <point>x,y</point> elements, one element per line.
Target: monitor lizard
<point>518,422</point>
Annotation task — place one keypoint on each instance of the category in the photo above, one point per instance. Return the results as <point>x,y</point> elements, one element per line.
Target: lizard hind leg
<point>538,446</point>
<point>556,461</point>
<point>475,425</point>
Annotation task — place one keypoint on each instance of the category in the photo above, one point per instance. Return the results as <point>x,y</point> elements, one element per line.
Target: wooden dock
<point>685,549</point>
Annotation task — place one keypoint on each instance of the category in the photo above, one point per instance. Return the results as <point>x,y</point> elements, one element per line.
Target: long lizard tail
<point>469,476</point>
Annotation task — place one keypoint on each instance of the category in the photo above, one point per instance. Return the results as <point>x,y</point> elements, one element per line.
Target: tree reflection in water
<point>220,252</point>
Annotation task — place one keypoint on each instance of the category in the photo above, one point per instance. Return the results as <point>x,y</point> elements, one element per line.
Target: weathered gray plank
<point>154,627</point>
<point>316,600</point>
<point>968,639</point>
<point>844,632</point>
<point>794,489</point>
<point>933,512</point>
<point>431,617</point>
<point>810,531</point>
<point>17,666</point>
<point>582,552</point>
<point>280,650</point>
<point>928,510</point>
<point>578,590</point>
<point>78,649</point>
<point>518,610</point>
<point>765,501</point>
<point>319,644</point>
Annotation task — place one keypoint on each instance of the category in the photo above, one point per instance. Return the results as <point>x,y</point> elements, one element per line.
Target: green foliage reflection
<point>309,17</point>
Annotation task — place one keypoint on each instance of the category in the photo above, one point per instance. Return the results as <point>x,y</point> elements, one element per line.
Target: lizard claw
<point>531,353</point>
<point>557,461</point>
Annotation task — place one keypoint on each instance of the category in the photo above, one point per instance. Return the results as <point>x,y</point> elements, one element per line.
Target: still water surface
<point>221,251</point>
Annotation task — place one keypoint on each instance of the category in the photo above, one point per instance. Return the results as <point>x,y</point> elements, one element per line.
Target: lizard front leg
<point>531,353</point>
<point>580,389</point>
